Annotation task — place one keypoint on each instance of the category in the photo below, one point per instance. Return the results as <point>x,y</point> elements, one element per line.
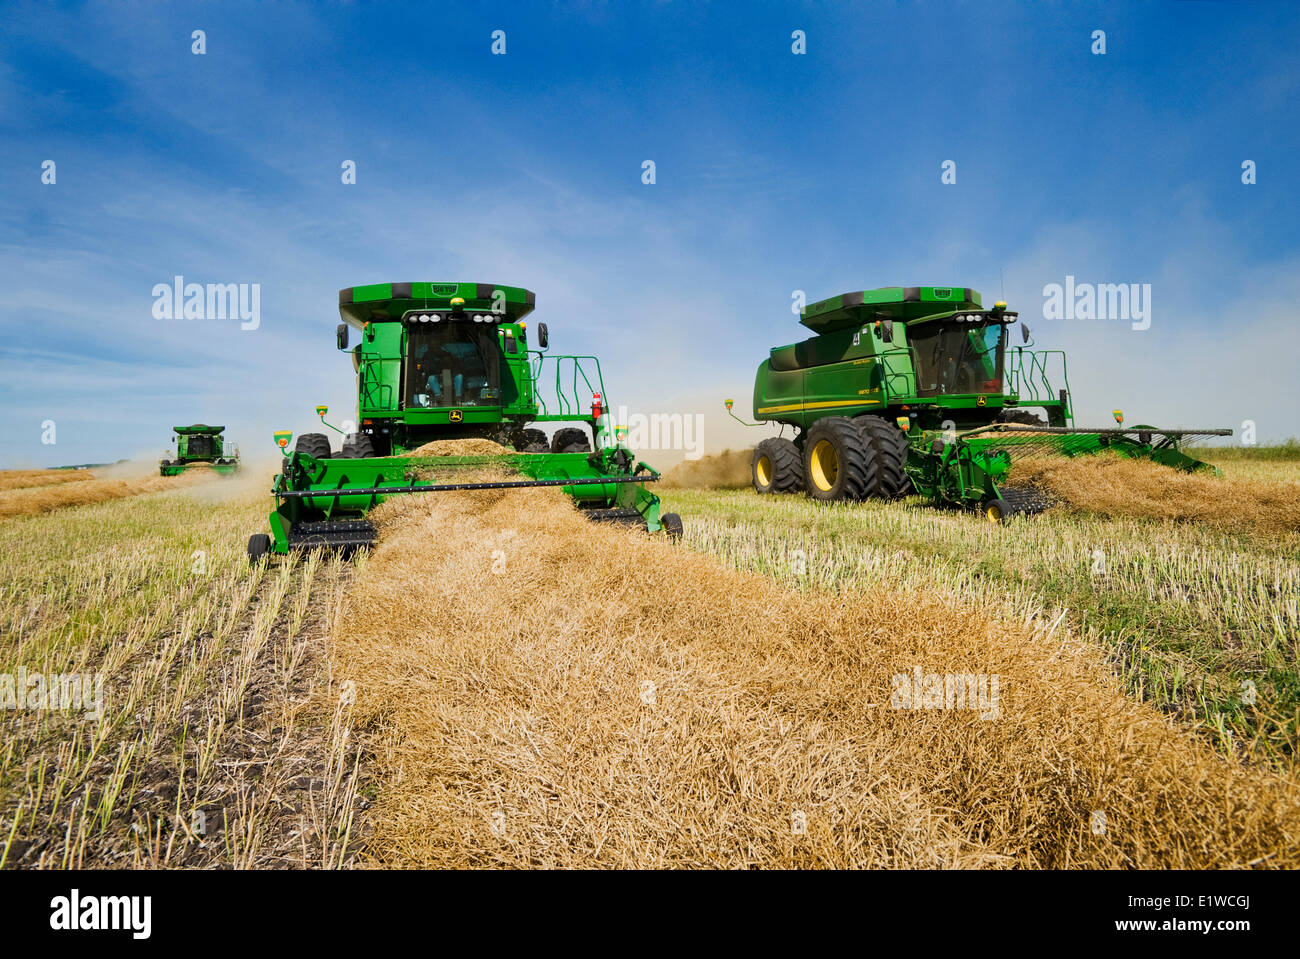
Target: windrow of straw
<point>29,479</point>
<point>1111,485</point>
<point>465,447</point>
<point>729,469</point>
<point>541,691</point>
<point>42,499</point>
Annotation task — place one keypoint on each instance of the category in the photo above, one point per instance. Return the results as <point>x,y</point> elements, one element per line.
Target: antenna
<point>1002,287</point>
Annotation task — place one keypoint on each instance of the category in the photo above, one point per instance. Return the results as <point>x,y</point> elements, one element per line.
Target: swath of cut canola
<point>1113,486</point>
<point>540,691</point>
<point>43,499</point>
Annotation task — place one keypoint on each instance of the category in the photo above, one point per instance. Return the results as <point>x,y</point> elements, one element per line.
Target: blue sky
<point>775,172</point>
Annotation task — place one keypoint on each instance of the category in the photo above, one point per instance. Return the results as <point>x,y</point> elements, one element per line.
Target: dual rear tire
<point>1023,417</point>
<point>356,446</point>
<point>315,445</point>
<point>841,459</point>
<point>776,467</point>
<point>570,440</point>
<point>890,445</point>
<point>531,440</point>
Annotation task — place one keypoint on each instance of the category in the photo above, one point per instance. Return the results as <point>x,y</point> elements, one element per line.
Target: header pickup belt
<point>1103,431</point>
<point>1059,436</point>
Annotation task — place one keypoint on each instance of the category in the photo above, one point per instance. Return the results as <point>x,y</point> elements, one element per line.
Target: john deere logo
<point>980,401</point>
<point>443,289</point>
<point>456,416</point>
<point>942,294</point>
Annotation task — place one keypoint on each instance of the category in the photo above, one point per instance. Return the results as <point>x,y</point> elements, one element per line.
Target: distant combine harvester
<point>200,447</point>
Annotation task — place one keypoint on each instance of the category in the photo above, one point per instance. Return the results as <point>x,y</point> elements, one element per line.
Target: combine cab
<point>451,361</point>
<point>918,389</point>
<point>200,447</point>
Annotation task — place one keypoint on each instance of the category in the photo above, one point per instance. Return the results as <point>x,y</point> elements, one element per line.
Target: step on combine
<point>452,361</point>
<point>919,390</point>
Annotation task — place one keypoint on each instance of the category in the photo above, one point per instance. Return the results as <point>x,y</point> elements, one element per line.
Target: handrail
<point>376,394</point>
<point>1027,374</point>
<point>567,403</point>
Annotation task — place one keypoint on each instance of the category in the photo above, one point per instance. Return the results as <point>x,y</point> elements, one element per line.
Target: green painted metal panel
<point>388,302</point>
<point>891,302</point>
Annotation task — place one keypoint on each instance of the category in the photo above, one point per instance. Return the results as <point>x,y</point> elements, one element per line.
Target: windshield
<point>452,364</point>
<point>200,446</point>
<point>958,358</point>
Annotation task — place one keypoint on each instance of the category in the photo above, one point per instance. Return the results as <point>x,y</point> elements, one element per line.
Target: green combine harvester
<point>200,447</point>
<point>451,361</point>
<point>918,389</point>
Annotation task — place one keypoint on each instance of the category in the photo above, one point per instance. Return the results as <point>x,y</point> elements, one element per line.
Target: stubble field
<point>501,684</point>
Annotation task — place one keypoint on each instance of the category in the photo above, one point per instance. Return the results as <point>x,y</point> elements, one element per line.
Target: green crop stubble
<point>1192,618</point>
<point>1288,452</point>
<point>209,689</point>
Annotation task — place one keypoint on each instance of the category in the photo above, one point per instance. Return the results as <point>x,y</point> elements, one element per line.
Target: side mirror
<point>542,340</point>
<point>1024,333</point>
<point>887,331</point>
<point>342,336</point>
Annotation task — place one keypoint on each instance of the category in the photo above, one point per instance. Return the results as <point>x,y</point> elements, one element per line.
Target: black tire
<point>315,445</point>
<point>357,446</point>
<point>259,544</point>
<point>890,444</point>
<point>570,440</point>
<point>531,441</point>
<point>672,524</point>
<point>1023,417</point>
<point>998,511</point>
<point>839,462</point>
<point>776,467</point>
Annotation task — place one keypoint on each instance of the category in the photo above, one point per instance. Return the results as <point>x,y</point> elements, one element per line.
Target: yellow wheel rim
<point>824,465</point>
<point>763,470</point>
<point>993,513</point>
